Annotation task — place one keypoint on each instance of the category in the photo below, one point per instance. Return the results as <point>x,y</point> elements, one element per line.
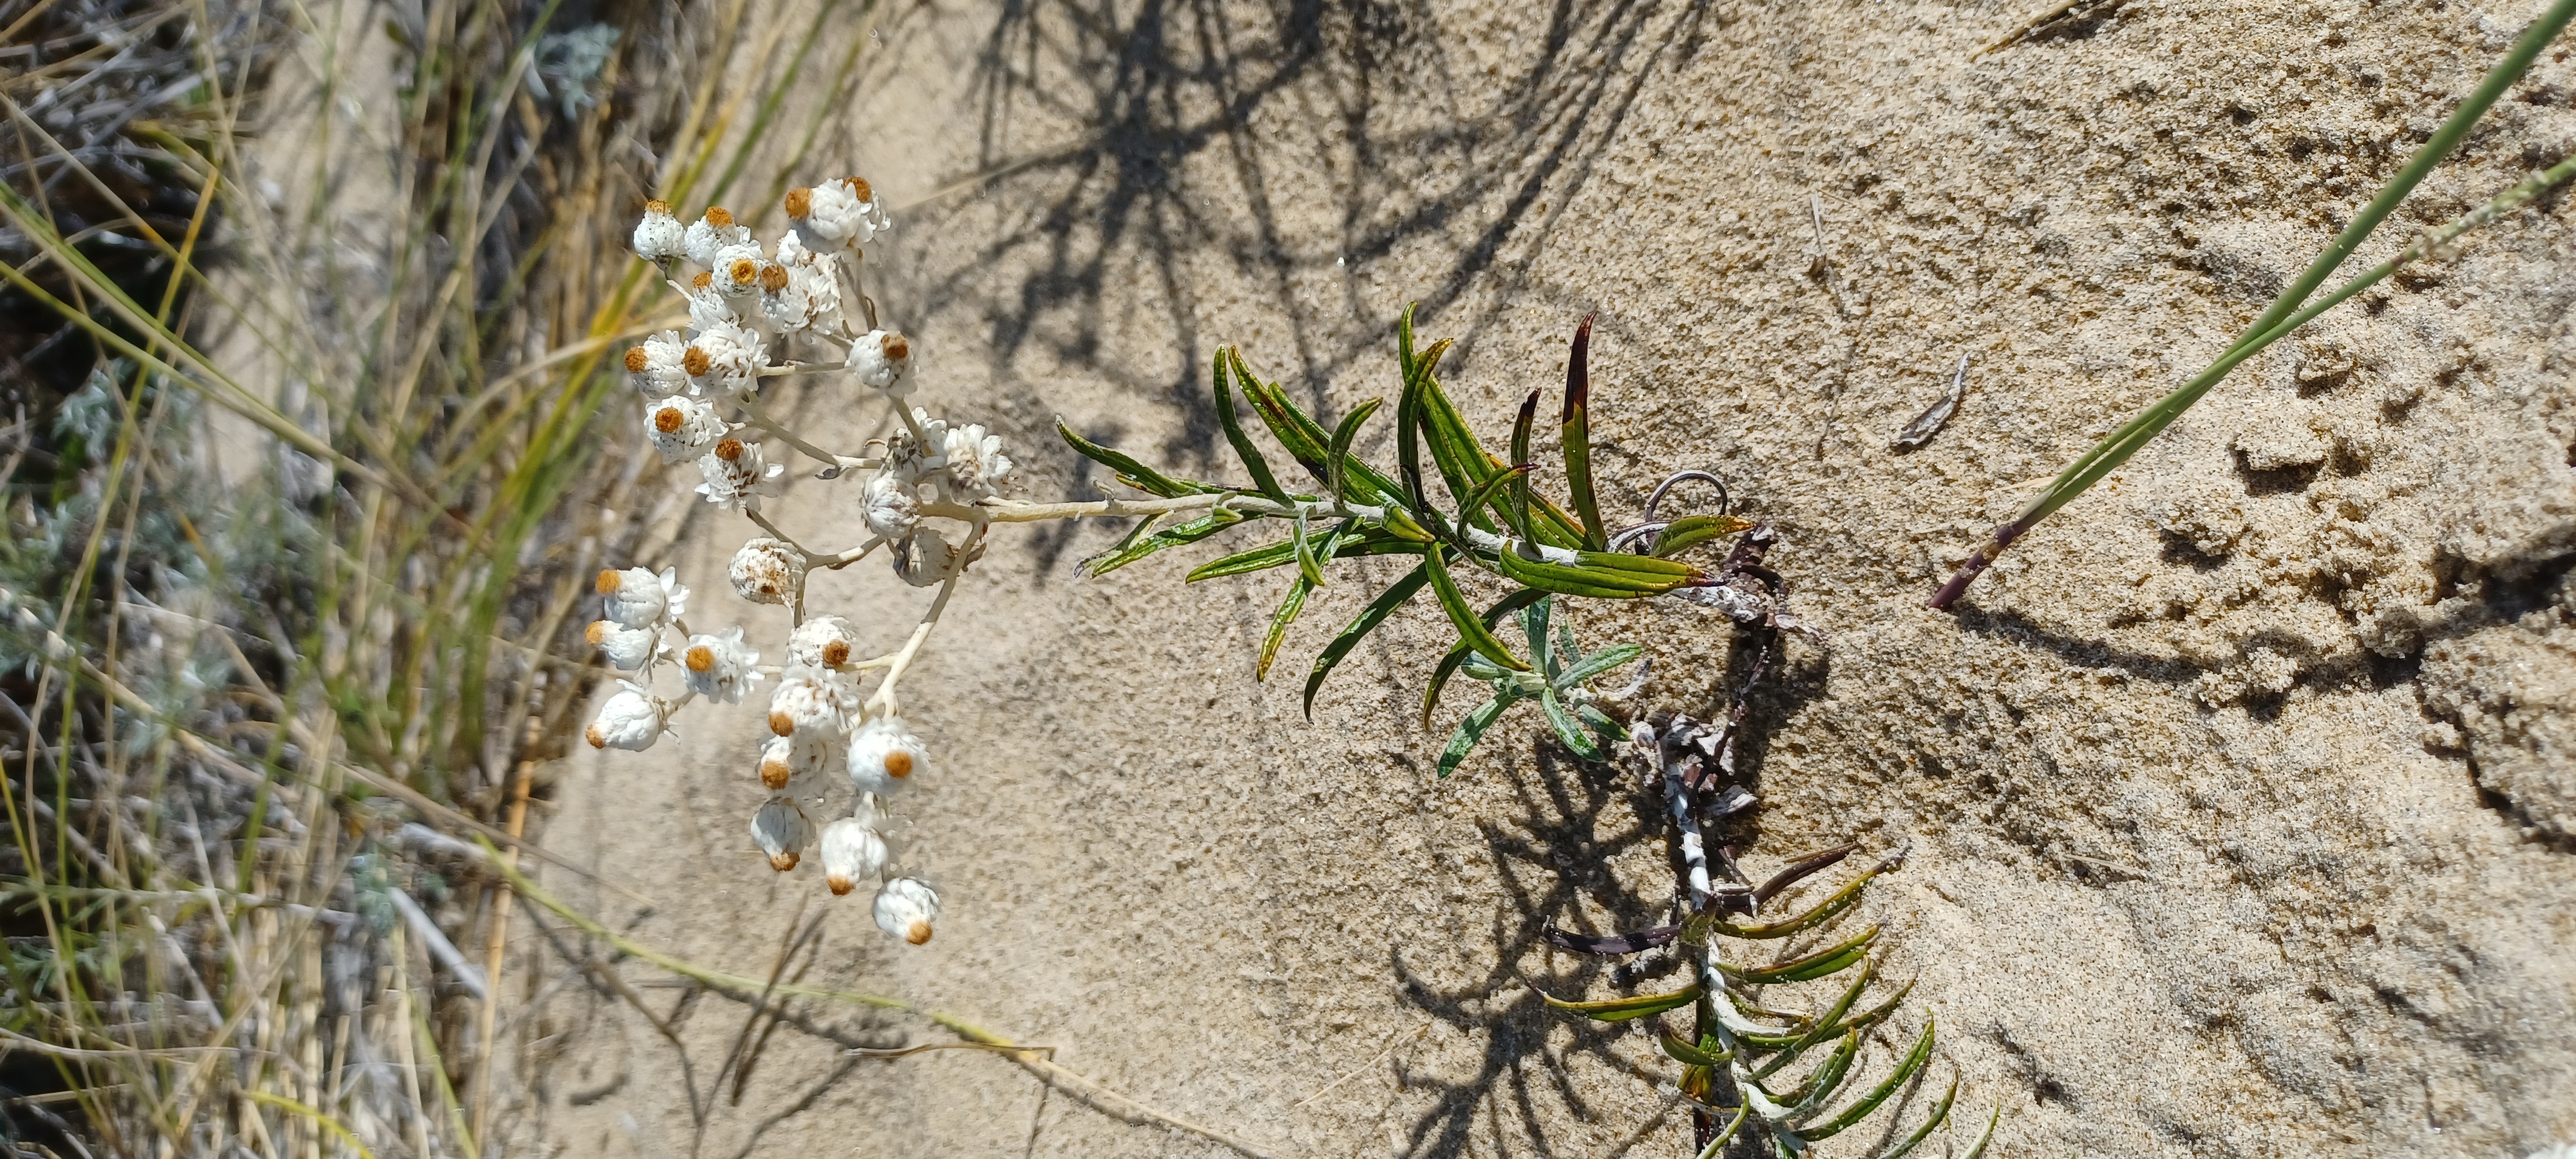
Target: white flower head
<point>823,642</point>
<point>637,598</point>
<point>766,571</point>
<point>843,213</point>
<point>925,557</point>
<point>737,475</point>
<point>812,703</point>
<point>724,359</point>
<point>905,908</point>
<point>682,428</point>
<point>799,296</point>
<point>976,464</point>
<point>851,851</point>
<point>656,364</point>
<point>796,761</point>
<point>627,649</point>
<point>782,831</point>
<point>882,361</point>
<point>884,756</point>
<point>712,233</point>
<point>888,504</point>
<point>736,270</point>
<point>631,720</point>
<point>720,667</point>
<point>707,305</point>
<point>913,458</point>
<point>659,236</point>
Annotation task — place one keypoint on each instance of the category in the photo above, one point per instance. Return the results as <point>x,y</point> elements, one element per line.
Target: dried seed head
<point>800,203</point>
<point>702,281</point>
<point>836,653</point>
<point>782,862</point>
<point>717,217</point>
<point>598,631</point>
<point>782,723</point>
<point>859,186</point>
<point>608,581</point>
<point>773,278</point>
<point>660,207</point>
<point>696,362</point>
<point>745,271</point>
<point>896,349</point>
<point>668,419</point>
<point>700,658</point>
<point>918,934</point>
<point>636,361</point>
<point>898,764</point>
<point>729,450</point>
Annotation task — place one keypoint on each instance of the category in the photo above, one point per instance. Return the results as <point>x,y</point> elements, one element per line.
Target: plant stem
<point>2286,314</point>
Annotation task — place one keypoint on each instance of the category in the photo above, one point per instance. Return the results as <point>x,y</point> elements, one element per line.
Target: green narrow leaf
<point>1395,596</point>
<point>1340,452</point>
<point>1129,471</point>
<point>1851,1116</point>
<point>1979,1151</point>
<point>1566,728</point>
<point>1842,899</point>
<point>1307,565</point>
<point>1578,438</point>
<point>1190,532</point>
<point>1827,1079</point>
<point>1458,655</point>
<point>1683,1052</point>
<point>1471,630</point>
<point>1623,1009</point>
<point>1471,730</point>
<point>1598,575</point>
<point>1598,663</point>
<point>1520,509</point>
<point>1534,628</point>
<point>1717,1146</point>
<point>1366,541</point>
<point>1940,1115</point>
<point>1262,480</point>
<point>1136,534</point>
<point>1298,590</point>
<point>1408,420</point>
<point>1830,960</point>
<point>1825,1025</point>
<point>1473,509</point>
<point>1694,529</point>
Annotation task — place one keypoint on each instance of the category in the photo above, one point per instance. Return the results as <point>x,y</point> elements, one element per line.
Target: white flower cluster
<point>756,315</point>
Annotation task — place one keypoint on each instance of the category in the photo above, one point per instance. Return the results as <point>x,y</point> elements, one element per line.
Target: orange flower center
<point>800,203</point>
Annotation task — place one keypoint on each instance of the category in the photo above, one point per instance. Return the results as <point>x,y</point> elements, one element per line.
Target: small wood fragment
<point>1930,422</point>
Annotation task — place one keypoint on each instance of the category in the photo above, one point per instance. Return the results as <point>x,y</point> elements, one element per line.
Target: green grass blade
<point>1843,899</point>
<point>1396,595</point>
<point>1717,1145</point>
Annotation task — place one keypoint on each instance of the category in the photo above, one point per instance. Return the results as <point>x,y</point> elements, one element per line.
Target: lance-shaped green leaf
<point>1940,1115</point>
<point>1597,574</point>
<point>1842,1006</point>
<point>1395,596</point>
<point>1190,532</point>
<point>1471,730</point>
<point>1683,1052</point>
<point>1520,509</point>
<point>1824,962</point>
<point>1311,568</point>
<point>1577,433</point>
<point>1874,1015</point>
<point>1259,467</point>
<point>1306,439</point>
<point>1369,541</point>
<point>1843,899</point>
<point>1458,655</point>
<point>1286,614</point>
<point>1851,1116</point>
<point>1598,663</point>
<point>1408,421</point>
<point>1623,1009</point>
<point>1690,530</point>
<point>1471,630</point>
<point>1827,1078</point>
<point>1340,452</point>
<point>1483,495</point>
<point>1717,1145</point>
<point>1978,1151</point>
<point>1129,471</point>
<point>1567,730</point>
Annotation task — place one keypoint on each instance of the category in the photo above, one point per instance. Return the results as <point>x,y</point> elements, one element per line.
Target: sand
<point>2240,800</point>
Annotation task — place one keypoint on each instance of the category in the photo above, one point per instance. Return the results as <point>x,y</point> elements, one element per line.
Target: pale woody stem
<point>883,702</point>
<point>760,418</point>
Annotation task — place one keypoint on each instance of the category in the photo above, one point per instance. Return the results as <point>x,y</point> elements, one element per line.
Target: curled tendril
<point>1627,539</point>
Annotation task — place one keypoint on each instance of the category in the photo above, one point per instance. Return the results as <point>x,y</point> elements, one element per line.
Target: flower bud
<point>905,908</point>
<point>627,649</point>
<point>737,271</point>
<point>659,235</point>
<point>851,851</point>
<point>782,831</point>
<point>737,475</point>
<point>766,571</point>
<point>631,720</point>
<point>720,667</point>
<point>681,427</point>
<point>844,213</point>
<point>712,233</point>
<point>791,763</point>
<point>822,642</point>
<point>812,703</point>
<point>888,505</point>
<point>882,361</point>
<point>637,598</point>
<point>884,755</point>
<point>976,465</point>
